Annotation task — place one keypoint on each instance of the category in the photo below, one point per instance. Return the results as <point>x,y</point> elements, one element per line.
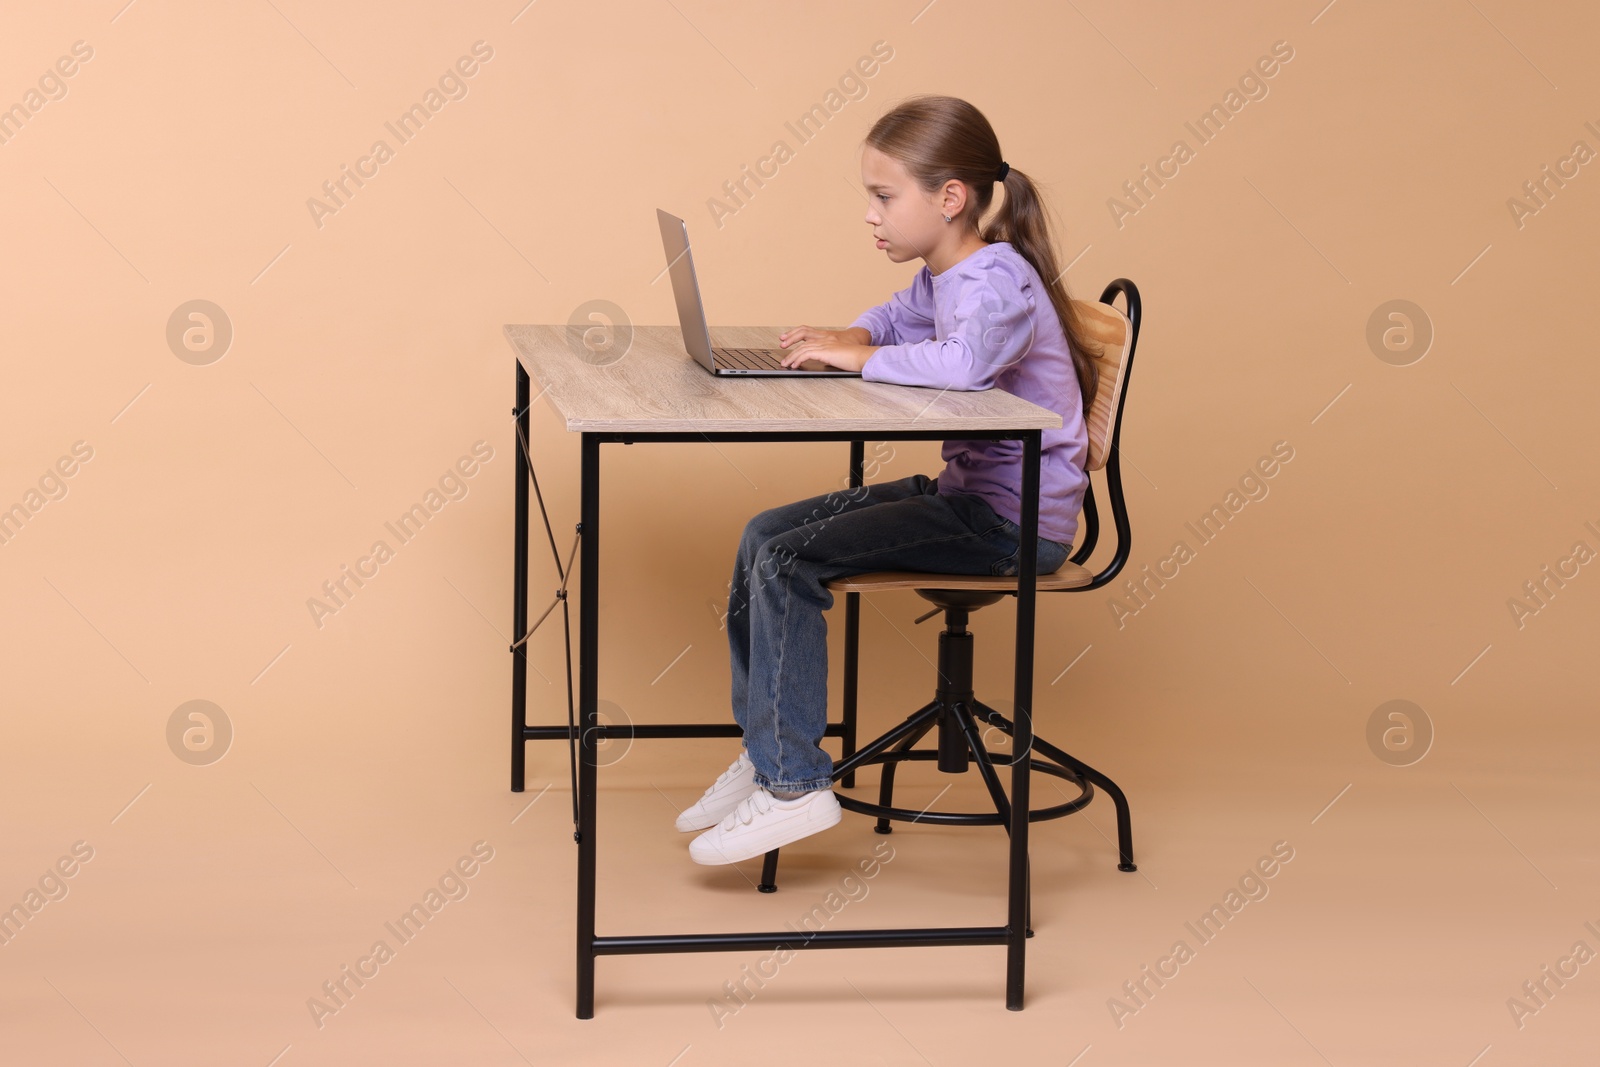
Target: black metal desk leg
<point>519,591</point>
<point>1022,736</point>
<point>588,648</point>
<point>852,644</point>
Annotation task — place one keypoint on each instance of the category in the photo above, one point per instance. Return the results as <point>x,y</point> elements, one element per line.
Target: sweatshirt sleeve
<point>992,328</point>
<point>905,316</point>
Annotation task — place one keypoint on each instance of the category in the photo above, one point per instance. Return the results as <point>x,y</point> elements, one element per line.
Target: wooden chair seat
<point>1069,576</point>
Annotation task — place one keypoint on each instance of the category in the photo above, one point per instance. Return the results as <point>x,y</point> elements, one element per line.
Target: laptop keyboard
<point>748,358</point>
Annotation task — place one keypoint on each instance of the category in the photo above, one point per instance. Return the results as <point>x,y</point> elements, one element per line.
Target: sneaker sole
<point>721,857</point>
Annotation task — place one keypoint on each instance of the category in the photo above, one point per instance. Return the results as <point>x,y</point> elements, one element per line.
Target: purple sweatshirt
<point>988,322</point>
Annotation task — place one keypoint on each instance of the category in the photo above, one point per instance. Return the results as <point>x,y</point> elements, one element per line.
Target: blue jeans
<point>777,636</point>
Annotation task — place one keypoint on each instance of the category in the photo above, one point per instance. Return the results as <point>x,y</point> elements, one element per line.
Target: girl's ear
<point>955,196</point>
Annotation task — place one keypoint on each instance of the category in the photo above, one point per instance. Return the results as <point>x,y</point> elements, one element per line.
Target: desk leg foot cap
<point>1126,867</point>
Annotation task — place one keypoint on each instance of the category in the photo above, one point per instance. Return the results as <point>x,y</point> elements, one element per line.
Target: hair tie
<point>1005,168</point>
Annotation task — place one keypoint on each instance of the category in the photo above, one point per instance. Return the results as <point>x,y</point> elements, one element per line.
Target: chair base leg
<point>886,782</point>
<point>1118,799</point>
<point>769,873</point>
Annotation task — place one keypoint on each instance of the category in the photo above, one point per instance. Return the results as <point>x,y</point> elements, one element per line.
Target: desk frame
<point>1013,934</point>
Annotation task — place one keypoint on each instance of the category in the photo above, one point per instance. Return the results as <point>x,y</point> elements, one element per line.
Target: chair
<point>954,711</point>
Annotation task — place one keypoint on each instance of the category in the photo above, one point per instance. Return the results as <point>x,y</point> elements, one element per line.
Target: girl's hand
<point>835,348</point>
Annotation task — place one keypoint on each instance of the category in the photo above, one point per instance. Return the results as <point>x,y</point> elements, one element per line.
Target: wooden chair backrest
<point>1107,333</point>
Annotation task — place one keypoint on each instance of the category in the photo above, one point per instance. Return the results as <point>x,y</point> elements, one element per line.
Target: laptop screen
<point>685,290</point>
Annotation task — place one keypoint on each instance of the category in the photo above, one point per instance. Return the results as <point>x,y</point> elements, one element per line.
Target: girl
<point>986,310</point>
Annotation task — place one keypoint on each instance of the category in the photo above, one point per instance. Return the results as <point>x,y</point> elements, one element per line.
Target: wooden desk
<point>656,393</point>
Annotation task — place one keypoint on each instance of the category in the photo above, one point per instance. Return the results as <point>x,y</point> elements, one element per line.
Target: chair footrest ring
<point>960,818</point>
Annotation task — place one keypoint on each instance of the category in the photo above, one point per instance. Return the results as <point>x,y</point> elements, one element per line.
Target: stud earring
<point>947,218</point>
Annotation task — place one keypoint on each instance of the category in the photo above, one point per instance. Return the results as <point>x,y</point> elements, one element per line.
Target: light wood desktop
<point>657,385</point>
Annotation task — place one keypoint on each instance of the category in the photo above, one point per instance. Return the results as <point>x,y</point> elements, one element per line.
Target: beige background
<point>370,753</point>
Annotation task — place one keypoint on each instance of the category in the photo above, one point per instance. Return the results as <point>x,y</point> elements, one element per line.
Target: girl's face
<point>906,222</point>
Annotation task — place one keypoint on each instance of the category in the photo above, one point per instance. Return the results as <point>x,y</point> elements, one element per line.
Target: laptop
<point>723,362</point>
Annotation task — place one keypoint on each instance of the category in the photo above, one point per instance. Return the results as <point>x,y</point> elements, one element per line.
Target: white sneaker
<point>761,822</point>
<point>735,783</point>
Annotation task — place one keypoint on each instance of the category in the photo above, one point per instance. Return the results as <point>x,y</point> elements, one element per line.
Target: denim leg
<point>769,524</point>
<point>779,647</point>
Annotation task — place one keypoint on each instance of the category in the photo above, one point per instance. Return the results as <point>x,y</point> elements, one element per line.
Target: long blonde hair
<point>938,138</point>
